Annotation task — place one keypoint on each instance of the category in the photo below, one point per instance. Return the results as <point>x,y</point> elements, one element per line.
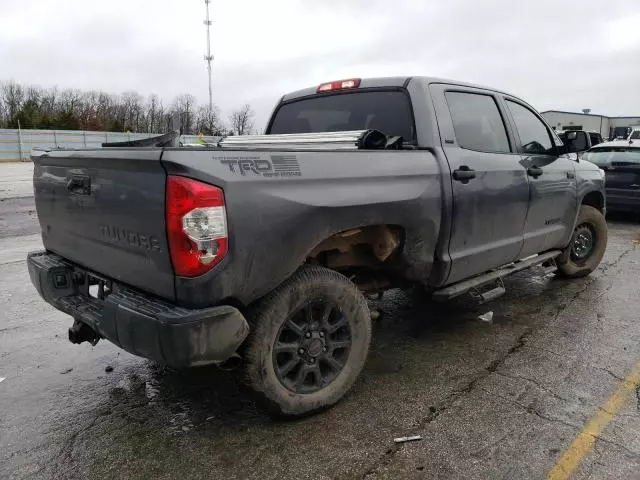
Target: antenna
<point>208,57</point>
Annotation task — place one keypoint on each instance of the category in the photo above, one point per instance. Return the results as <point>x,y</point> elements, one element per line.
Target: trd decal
<point>278,166</point>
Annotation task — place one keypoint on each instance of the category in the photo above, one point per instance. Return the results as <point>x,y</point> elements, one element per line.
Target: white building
<point>609,127</point>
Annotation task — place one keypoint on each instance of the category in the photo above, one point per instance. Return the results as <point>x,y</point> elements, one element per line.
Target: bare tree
<point>70,109</point>
<point>242,120</point>
<point>154,114</point>
<point>106,112</point>
<point>184,107</point>
<point>70,100</point>
<point>49,101</point>
<point>132,110</point>
<point>88,111</point>
<point>208,121</point>
<point>3,116</point>
<point>12,95</point>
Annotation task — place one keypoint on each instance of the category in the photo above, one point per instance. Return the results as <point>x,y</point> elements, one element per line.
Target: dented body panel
<point>277,221</point>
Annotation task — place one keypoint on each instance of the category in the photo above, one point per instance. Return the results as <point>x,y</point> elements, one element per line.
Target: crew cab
<point>264,247</point>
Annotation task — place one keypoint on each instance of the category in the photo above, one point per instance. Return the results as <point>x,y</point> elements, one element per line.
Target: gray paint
<point>275,222</point>
<point>118,229</point>
<point>452,230</point>
<point>489,211</point>
<point>552,196</point>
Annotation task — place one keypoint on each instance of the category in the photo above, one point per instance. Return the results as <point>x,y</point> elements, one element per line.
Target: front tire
<point>309,342</point>
<point>588,244</point>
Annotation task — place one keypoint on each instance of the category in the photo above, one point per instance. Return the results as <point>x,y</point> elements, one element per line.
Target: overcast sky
<point>555,54</point>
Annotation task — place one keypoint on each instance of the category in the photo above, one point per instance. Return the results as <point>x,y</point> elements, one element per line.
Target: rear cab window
<point>387,111</point>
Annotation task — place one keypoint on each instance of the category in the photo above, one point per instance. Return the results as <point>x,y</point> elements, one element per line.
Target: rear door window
<point>477,122</point>
<point>386,111</point>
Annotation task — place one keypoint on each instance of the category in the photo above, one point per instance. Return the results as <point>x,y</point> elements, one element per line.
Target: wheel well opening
<point>594,199</point>
<point>366,255</point>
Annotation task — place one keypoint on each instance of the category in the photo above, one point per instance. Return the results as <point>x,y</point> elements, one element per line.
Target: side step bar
<point>490,294</point>
<point>483,279</point>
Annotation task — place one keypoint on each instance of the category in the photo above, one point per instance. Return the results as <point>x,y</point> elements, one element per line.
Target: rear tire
<point>309,342</point>
<point>588,244</point>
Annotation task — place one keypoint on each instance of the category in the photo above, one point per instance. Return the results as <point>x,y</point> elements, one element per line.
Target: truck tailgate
<point>105,210</point>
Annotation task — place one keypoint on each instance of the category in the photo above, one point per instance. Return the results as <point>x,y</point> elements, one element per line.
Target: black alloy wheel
<point>312,347</point>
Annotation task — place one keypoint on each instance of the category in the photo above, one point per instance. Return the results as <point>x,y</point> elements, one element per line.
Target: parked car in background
<point>594,138</point>
<point>582,142</point>
<point>621,162</point>
<point>635,134</point>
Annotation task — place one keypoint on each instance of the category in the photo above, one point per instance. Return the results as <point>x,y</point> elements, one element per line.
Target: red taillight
<point>339,85</point>
<point>196,225</point>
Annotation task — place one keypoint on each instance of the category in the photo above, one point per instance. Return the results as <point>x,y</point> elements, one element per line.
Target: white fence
<point>16,145</point>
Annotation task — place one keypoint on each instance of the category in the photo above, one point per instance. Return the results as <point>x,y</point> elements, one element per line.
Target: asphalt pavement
<point>549,385</point>
<point>15,180</point>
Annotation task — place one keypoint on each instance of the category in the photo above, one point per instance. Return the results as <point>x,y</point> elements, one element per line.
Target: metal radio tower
<point>208,57</point>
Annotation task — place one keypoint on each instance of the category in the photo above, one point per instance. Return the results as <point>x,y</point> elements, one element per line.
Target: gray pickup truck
<point>265,247</point>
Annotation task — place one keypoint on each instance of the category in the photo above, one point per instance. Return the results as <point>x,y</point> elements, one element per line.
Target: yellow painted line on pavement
<point>584,442</point>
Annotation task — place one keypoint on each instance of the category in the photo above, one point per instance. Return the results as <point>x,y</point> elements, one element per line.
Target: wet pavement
<point>15,180</point>
<point>499,400</point>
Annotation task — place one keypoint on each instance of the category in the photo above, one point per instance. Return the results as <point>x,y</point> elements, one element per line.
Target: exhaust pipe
<point>231,363</point>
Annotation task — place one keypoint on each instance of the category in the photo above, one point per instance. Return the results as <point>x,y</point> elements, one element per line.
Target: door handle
<point>464,174</point>
<point>534,172</point>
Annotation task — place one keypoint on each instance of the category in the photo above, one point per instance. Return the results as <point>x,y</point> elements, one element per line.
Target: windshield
<point>604,157</point>
<point>389,112</point>
<point>635,135</point>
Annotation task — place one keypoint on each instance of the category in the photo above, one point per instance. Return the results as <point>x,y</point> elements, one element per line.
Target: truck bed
<point>104,209</point>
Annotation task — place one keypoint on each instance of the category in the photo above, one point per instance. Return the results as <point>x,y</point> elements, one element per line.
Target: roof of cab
<point>374,82</point>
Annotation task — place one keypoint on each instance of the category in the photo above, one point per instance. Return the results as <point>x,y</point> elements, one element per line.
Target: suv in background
<point>595,138</point>
<point>621,164</point>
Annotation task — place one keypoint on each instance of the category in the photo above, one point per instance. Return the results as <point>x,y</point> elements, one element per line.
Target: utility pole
<point>208,57</point>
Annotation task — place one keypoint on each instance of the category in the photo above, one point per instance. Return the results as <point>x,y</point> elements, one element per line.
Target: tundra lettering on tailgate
<point>278,166</point>
<point>113,234</point>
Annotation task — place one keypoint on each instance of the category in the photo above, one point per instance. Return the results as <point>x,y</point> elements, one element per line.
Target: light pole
<point>208,57</point>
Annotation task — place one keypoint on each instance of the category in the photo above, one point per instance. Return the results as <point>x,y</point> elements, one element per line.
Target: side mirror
<point>576,142</point>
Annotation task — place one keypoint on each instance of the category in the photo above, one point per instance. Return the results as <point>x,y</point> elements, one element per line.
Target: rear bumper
<point>137,322</point>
